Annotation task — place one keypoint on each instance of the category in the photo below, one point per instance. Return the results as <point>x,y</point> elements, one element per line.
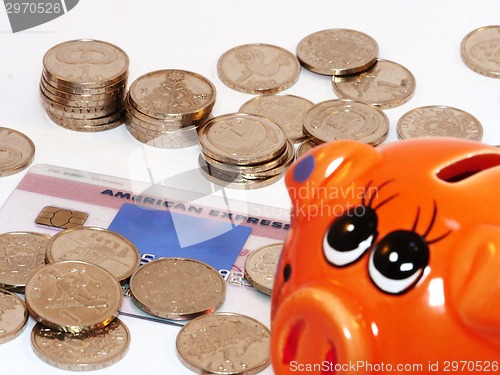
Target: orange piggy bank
<point>392,261</point>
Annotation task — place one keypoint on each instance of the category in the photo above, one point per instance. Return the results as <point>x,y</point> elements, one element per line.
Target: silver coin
<point>286,111</point>
<point>224,344</point>
<point>439,121</point>
<point>261,265</point>
<point>337,52</point>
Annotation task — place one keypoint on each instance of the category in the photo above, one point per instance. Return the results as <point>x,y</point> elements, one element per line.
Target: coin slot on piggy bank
<point>391,260</point>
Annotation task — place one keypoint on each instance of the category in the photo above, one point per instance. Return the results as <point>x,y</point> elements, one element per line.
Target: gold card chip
<point>61,218</point>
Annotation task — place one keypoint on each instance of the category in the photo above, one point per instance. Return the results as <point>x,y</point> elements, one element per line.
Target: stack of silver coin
<point>244,151</point>
<point>165,108</point>
<point>83,85</point>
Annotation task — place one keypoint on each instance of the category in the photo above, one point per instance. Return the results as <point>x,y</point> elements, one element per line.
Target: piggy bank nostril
<point>287,272</point>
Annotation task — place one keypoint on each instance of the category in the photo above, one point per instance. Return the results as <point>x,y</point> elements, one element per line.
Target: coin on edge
<point>93,350</point>
<point>73,297</point>
<point>261,265</point>
<point>17,151</point>
<point>385,85</point>
<point>439,121</point>
<point>21,255</point>
<point>346,119</point>
<point>224,343</point>
<point>479,51</point>
<point>258,68</point>
<point>287,111</point>
<point>177,289</point>
<point>102,247</point>
<point>337,52</point>
<point>13,316</point>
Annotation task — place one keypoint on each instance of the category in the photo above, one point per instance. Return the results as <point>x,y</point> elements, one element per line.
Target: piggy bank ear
<point>475,278</point>
<point>337,163</point>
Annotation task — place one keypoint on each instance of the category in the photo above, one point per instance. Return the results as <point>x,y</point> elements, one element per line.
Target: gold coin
<point>236,169</point>
<point>242,139</point>
<point>16,151</point>
<point>21,255</point>
<point>93,350</point>
<point>439,121</point>
<point>13,316</point>
<point>261,265</point>
<point>88,125</point>
<point>177,139</point>
<point>480,51</point>
<point>258,68</point>
<point>98,246</point>
<point>162,124</point>
<point>337,52</point>
<point>173,94</point>
<point>157,125</point>
<point>73,297</point>
<point>346,119</point>
<point>305,147</point>
<point>256,171</point>
<point>234,181</point>
<point>86,63</point>
<point>385,85</point>
<point>114,97</point>
<point>275,171</point>
<point>83,90</point>
<point>177,289</point>
<point>224,343</point>
<point>80,113</point>
<point>286,111</point>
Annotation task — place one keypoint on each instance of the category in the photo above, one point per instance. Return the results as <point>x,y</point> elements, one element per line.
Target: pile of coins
<point>71,283</point>
<point>165,108</point>
<point>75,302</point>
<point>244,151</point>
<point>83,85</point>
<point>364,83</point>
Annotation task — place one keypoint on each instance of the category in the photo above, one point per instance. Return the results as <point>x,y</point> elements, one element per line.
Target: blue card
<point>164,233</point>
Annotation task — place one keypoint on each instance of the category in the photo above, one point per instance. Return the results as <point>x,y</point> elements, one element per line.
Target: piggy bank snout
<point>319,326</point>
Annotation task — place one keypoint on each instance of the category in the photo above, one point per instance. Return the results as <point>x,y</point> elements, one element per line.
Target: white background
<point>423,36</point>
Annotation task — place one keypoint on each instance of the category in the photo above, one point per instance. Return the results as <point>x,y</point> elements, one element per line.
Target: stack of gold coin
<point>83,85</point>
<point>244,151</point>
<point>165,108</point>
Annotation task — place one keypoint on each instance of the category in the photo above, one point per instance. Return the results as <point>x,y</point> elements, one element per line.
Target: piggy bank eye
<point>350,235</point>
<point>398,261</point>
